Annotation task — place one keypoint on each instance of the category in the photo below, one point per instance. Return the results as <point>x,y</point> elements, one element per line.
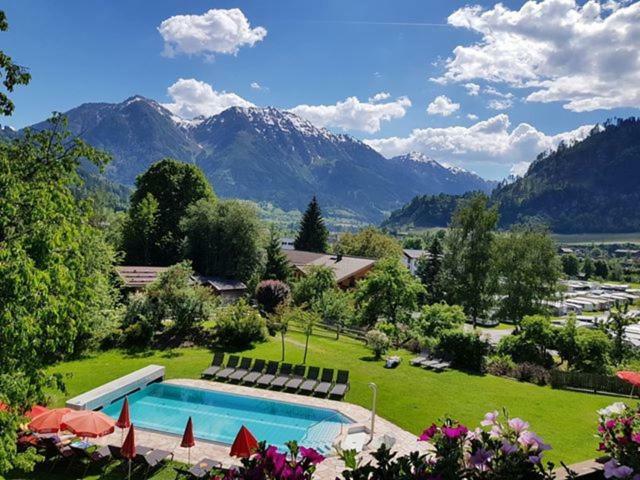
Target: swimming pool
<point>218,416</point>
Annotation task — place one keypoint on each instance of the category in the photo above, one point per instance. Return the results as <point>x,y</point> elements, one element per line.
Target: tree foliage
<point>570,265</point>
<point>13,74</point>
<point>435,319</point>
<point>276,265</point>
<point>238,325</point>
<point>313,234</point>
<point>272,294</point>
<point>175,186</point>
<point>223,238</point>
<point>428,270</point>
<point>317,280</point>
<point>468,256</point>
<point>368,242</point>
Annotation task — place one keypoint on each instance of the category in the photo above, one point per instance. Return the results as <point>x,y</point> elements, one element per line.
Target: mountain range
<point>591,186</point>
<point>264,155</point>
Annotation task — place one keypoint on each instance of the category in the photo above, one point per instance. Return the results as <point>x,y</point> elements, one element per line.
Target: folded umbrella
<point>188,440</point>
<point>244,445</point>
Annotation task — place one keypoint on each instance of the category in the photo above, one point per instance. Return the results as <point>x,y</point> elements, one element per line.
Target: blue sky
<point>321,53</point>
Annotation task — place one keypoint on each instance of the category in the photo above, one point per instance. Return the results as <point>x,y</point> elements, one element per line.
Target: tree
<point>616,329</point>
<point>175,186</point>
<point>13,74</point>
<point>277,265</point>
<point>55,266</point>
<point>390,291</point>
<point>570,265</point>
<point>428,271</point>
<point>238,325</point>
<point>532,342</point>
<point>316,280</point>
<point>335,307</point>
<point>312,234</point>
<point>308,319</point>
<point>468,255</point>
<point>437,318</point>
<point>280,324</point>
<point>223,238</point>
<point>368,242</point>
<point>272,294</point>
<point>601,269</point>
<point>528,271</point>
<point>378,342</point>
<point>139,227</point>
<point>588,268</point>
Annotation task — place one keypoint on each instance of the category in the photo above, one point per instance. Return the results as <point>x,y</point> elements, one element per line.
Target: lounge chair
<point>441,366</point>
<point>256,371</point>
<point>95,455</point>
<point>283,377</point>
<point>326,380</point>
<point>296,378</point>
<point>242,370</point>
<point>311,380</point>
<point>232,363</point>
<point>417,361</point>
<point>429,363</point>
<point>116,454</point>
<point>216,365</point>
<point>201,469</point>
<point>153,460</point>
<point>269,375</point>
<point>341,387</point>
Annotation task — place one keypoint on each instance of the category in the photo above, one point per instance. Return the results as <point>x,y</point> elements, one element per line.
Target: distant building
<point>287,243</point>
<point>347,270</point>
<point>138,277</point>
<point>411,256</point>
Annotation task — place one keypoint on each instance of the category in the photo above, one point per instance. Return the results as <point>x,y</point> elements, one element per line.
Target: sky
<point>484,86</point>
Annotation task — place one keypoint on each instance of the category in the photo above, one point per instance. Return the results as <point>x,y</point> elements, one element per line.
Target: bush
<point>501,366</point>
<point>530,372</point>
<point>238,325</point>
<point>378,342</point>
<point>531,344</point>
<point>436,318</point>
<point>271,294</point>
<point>466,350</point>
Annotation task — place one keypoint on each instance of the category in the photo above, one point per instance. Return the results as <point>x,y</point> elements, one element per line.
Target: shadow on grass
<point>138,353</point>
<point>369,358</point>
<point>171,354</point>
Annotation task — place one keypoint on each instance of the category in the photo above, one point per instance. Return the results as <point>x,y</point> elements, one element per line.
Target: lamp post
<point>374,389</point>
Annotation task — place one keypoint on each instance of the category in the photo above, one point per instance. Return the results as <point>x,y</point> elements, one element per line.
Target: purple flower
<point>428,433</point>
<point>310,454</point>
<point>535,459</point>
<point>455,432</point>
<point>490,418</point>
<point>518,425</point>
<point>613,470</point>
<point>508,448</point>
<point>480,457</point>
<point>531,440</point>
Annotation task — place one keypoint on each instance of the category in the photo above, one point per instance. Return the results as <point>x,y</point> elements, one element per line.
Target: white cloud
<point>586,56</point>
<point>352,114</point>
<point>213,32</point>
<point>472,89</point>
<point>472,116</point>
<point>378,97</point>
<point>519,169</point>
<point>257,86</point>
<point>192,98</point>
<point>502,104</point>
<point>497,93</point>
<point>442,105</point>
<point>492,141</point>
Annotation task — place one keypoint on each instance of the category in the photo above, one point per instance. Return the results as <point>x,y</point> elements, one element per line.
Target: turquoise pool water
<point>218,416</point>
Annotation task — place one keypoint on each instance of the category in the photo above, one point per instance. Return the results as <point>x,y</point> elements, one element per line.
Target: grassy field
<point>408,396</point>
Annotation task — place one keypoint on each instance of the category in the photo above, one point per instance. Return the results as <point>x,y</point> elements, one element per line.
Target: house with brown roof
<point>347,270</point>
<point>138,277</point>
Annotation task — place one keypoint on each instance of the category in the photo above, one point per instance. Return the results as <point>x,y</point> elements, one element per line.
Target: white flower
<point>613,409</point>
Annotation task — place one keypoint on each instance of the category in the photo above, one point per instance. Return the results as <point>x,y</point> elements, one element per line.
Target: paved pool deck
<point>327,470</point>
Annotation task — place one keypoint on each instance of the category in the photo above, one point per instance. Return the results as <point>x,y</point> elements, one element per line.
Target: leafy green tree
<point>390,292</point>
<point>279,322</point>
<point>309,320</point>
<point>175,186</point>
<point>528,270</point>
<point>594,349</point>
<point>312,234</point>
<point>531,343</point>
<point>238,325</point>
<point>223,238</point>
<point>588,268</point>
<point>616,329</point>
<point>414,242</point>
<point>468,255</point>
<point>277,265</point>
<point>312,285</point>
<point>335,307</point>
<point>570,265</point>
<point>601,269</point>
<point>54,270</point>
<point>368,242</point>
<point>428,271</point>
<point>139,227</point>
<point>378,342</point>
<point>566,342</point>
<point>13,74</point>
<point>435,319</point>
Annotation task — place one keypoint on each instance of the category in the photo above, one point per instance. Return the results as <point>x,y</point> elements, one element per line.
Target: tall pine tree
<point>277,265</point>
<point>428,271</point>
<point>312,235</point>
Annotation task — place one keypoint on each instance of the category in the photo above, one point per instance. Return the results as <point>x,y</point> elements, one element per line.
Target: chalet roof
<point>138,276</point>
<point>221,284</point>
<point>414,253</point>
<point>343,266</point>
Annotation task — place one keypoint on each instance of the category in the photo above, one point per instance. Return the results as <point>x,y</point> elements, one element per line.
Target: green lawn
<point>408,396</point>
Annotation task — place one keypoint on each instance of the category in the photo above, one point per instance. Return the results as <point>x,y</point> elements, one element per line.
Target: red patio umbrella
<point>124,420</point>
<point>49,421</point>
<point>188,439</point>
<point>87,423</point>
<point>244,444</point>
<point>632,378</point>
<point>128,449</point>
<point>35,411</point>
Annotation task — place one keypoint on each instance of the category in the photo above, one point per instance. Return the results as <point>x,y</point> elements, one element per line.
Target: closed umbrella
<point>49,422</point>
<point>244,444</point>
<point>87,423</point>
<point>124,420</point>
<point>188,439</point>
<point>128,449</point>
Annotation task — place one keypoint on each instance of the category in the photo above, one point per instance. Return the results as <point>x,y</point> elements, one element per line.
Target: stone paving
<point>327,470</point>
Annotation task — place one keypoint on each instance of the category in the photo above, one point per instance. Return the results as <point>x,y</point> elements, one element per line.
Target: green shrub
<point>436,318</point>
<point>465,350</point>
<point>238,325</point>
<point>530,372</point>
<point>522,350</point>
<point>501,365</point>
<point>378,342</point>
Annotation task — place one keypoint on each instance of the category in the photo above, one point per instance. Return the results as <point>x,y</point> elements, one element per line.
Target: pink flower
<point>455,432</point>
<point>490,418</point>
<point>610,424</point>
<point>518,425</point>
<point>312,455</point>
<point>636,437</point>
<point>428,433</point>
<point>532,441</point>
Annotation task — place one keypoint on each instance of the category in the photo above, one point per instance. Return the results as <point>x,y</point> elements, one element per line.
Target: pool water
<point>218,416</point>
